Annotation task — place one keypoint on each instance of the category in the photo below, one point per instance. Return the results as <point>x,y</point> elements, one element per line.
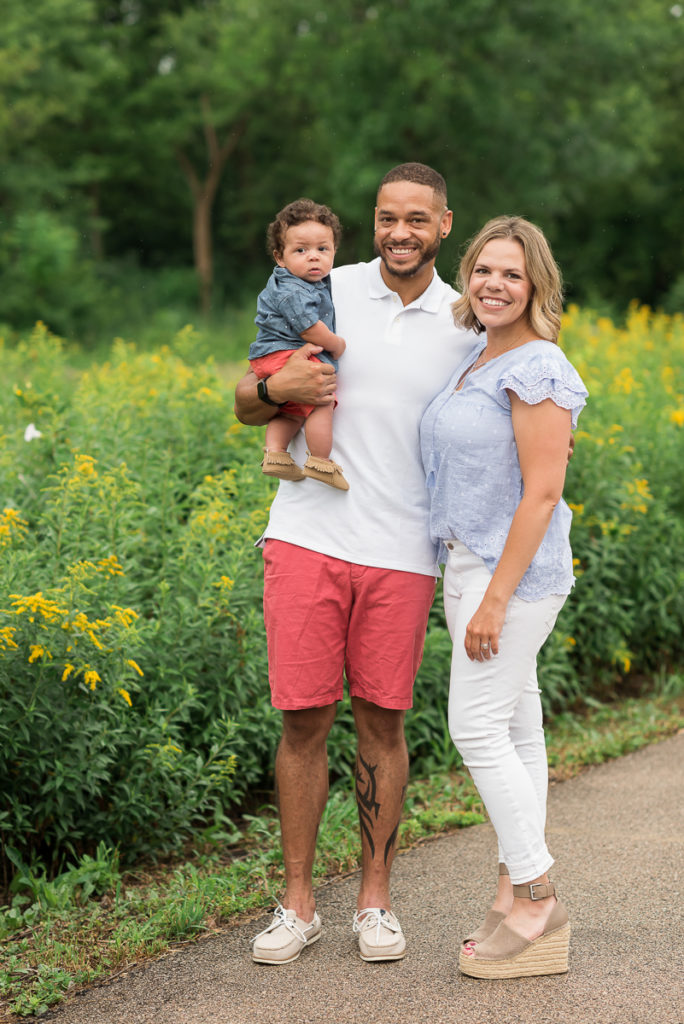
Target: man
<point>350,576</point>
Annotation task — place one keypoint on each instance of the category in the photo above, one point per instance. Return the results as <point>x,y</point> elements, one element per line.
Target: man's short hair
<point>418,174</point>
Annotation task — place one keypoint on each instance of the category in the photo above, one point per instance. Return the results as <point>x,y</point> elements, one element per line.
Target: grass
<point>93,921</point>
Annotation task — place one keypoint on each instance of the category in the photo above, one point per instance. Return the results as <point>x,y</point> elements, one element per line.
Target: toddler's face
<point>308,252</point>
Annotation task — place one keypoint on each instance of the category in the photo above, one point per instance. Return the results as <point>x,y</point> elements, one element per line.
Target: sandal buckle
<point>537,885</point>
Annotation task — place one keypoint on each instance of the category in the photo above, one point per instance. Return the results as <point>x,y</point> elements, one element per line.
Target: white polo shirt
<point>397,359</point>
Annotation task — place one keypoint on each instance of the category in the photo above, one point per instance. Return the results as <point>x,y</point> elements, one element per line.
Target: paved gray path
<point>618,834</point>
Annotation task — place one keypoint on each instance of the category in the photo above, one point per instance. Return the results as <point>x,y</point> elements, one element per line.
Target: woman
<point>494,446</point>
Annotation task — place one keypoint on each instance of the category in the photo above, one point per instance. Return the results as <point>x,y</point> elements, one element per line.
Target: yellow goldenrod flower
<point>92,678</point>
<point>124,615</point>
<point>225,583</point>
<point>677,417</point>
<point>110,565</point>
<point>68,669</point>
<point>36,604</point>
<point>11,526</point>
<point>126,696</point>
<point>624,381</point>
<point>7,638</point>
<point>578,509</point>
<point>37,651</point>
<point>85,465</point>
<point>135,665</point>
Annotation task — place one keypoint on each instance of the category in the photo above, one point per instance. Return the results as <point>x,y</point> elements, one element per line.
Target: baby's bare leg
<point>319,431</point>
<point>280,431</point>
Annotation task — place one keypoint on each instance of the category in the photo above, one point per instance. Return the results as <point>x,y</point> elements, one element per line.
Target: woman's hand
<point>484,629</point>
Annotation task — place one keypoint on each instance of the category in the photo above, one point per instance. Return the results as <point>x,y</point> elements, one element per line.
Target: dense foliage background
<point>144,147</point>
<point>133,674</point>
<point>145,144</point>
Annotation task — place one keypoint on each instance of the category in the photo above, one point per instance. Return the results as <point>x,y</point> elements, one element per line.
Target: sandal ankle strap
<point>534,890</point>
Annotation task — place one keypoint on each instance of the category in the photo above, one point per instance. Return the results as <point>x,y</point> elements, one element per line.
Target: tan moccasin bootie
<point>325,470</point>
<point>281,464</point>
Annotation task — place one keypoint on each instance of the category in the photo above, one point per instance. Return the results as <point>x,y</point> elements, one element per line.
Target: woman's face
<point>499,288</point>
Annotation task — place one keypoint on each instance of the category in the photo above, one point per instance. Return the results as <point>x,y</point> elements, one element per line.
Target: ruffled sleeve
<point>545,374</point>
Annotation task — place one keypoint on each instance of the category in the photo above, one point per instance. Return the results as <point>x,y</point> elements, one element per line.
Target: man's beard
<point>426,256</point>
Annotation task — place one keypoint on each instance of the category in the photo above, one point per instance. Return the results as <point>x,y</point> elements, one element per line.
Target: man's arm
<point>300,380</point>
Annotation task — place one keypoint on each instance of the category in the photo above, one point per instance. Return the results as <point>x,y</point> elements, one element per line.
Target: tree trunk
<point>96,238</point>
<point>202,245</point>
<point>204,193</point>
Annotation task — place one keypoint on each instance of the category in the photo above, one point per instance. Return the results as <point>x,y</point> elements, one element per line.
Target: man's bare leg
<point>381,779</point>
<point>302,790</point>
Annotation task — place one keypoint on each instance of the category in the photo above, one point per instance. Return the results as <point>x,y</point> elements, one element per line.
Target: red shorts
<point>325,617</point>
<point>264,366</point>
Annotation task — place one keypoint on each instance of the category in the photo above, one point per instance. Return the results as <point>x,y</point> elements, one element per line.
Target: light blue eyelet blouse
<point>471,459</point>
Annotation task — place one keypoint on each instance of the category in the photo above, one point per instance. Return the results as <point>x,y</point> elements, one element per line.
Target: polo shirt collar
<point>430,301</point>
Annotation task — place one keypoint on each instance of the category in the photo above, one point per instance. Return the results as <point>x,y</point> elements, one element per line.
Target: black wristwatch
<point>262,392</point>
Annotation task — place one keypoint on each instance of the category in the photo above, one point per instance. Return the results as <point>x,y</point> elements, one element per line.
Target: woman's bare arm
<point>541,434</point>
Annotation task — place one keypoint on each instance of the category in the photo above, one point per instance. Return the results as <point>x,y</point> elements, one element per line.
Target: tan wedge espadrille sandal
<point>280,464</point>
<point>493,919</point>
<point>507,954</point>
<point>325,470</point>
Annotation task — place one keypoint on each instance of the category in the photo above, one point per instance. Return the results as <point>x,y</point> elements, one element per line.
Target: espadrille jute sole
<point>546,955</point>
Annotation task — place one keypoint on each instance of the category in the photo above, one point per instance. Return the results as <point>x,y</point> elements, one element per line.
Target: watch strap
<point>262,392</point>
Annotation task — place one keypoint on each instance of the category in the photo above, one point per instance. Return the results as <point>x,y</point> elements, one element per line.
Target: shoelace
<point>278,919</point>
<point>374,916</point>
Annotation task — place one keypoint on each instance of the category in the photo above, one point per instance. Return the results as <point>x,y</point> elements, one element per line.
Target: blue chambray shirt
<point>471,459</point>
<point>286,307</point>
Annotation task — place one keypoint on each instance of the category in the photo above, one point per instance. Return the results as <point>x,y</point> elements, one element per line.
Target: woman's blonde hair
<point>546,302</point>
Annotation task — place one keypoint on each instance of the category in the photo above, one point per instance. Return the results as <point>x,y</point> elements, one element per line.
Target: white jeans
<point>495,713</point>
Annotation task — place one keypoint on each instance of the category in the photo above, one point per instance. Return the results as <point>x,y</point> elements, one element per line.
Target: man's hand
<point>303,379</point>
<point>300,380</point>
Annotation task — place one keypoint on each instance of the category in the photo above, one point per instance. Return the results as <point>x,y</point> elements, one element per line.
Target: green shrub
<point>133,669</point>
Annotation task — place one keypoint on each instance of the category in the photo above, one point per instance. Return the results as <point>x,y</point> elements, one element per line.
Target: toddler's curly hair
<point>299,212</point>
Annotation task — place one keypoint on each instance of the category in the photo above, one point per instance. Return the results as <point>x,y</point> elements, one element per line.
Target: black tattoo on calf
<point>365,798</point>
<point>393,838</point>
<point>391,841</point>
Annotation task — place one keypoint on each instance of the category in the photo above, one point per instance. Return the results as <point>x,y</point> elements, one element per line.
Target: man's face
<point>410,222</point>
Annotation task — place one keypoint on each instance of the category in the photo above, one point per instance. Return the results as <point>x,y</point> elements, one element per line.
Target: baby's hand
<point>320,334</point>
<point>336,346</point>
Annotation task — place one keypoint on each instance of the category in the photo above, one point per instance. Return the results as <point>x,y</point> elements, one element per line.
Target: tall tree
<point>217,68</point>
